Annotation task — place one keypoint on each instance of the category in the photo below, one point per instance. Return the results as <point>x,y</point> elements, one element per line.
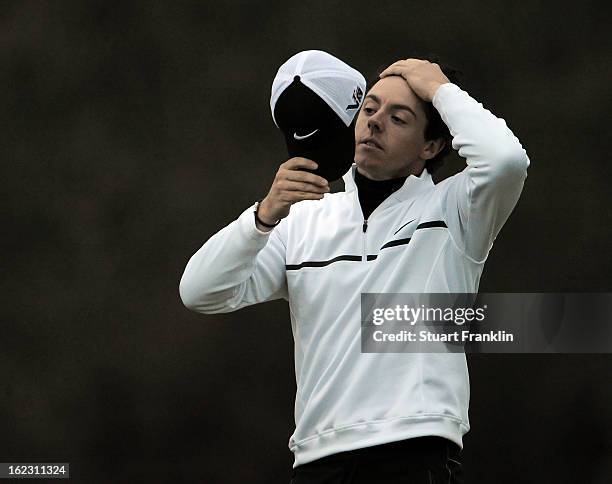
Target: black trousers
<point>422,460</point>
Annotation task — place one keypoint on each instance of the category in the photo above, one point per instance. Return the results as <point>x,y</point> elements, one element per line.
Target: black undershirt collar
<point>373,192</point>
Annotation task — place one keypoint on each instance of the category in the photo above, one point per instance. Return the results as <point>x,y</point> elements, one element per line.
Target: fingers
<point>299,162</point>
<point>297,196</point>
<point>392,71</point>
<point>398,68</point>
<point>290,170</point>
<point>301,181</point>
<point>293,186</point>
<point>305,177</point>
<point>401,67</point>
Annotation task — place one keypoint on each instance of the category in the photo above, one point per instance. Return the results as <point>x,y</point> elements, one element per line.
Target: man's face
<point>389,132</point>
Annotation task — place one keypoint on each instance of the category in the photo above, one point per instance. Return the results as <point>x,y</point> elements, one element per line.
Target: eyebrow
<point>376,99</point>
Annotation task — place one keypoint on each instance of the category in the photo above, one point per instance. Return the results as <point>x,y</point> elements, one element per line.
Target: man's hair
<point>435,127</point>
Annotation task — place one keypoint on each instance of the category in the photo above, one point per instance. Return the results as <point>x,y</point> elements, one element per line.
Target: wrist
<point>262,218</point>
<point>434,89</point>
<point>260,228</point>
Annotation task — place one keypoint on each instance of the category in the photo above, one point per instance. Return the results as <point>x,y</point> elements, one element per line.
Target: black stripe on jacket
<point>357,258</point>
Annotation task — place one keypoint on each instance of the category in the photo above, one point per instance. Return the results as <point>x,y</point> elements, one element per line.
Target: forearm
<point>492,152</point>
<point>216,276</point>
<point>483,195</point>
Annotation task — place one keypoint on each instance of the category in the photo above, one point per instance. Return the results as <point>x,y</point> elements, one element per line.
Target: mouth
<point>371,143</point>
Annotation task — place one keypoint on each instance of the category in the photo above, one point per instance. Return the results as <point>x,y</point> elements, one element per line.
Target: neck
<point>415,169</point>
<point>373,192</point>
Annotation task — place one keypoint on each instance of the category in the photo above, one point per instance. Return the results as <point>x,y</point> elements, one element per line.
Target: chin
<point>370,168</point>
<point>364,160</point>
<point>368,162</point>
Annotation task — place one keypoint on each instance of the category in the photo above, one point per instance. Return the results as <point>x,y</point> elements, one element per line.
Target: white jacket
<point>423,238</point>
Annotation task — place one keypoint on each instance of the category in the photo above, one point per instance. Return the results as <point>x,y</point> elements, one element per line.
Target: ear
<point>432,148</point>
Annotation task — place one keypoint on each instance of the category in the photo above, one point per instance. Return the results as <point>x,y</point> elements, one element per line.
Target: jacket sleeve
<point>238,266</point>
<point>480,199</point>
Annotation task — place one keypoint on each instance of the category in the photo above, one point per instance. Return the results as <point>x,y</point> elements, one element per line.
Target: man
<point>370,417</point>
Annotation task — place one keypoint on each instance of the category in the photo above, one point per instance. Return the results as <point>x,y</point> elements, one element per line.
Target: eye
<point>398,120</point>
<point>368,110</point>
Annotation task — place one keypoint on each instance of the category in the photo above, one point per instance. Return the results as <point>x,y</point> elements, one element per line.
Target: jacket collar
<point>411,187</point>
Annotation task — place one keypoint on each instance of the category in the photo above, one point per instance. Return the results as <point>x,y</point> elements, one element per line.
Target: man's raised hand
<point>291,185</point>
<point>423,77</point>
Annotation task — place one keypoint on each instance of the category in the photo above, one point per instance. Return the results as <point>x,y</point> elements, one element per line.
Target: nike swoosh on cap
<point>404,226</point>
<point>298,137</point>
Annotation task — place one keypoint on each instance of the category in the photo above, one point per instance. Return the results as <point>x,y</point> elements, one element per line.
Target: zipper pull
<point>365,226</point>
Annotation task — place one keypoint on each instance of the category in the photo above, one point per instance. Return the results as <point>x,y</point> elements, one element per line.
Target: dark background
<point>133,131</point>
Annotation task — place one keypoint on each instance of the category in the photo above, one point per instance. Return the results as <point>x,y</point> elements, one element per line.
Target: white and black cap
<point>315,97</point>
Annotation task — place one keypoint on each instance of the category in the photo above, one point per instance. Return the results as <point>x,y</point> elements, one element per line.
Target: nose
<point>374,123</point>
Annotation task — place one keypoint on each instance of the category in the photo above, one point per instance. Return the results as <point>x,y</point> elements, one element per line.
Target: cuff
<point>249,229</point>
<point>445,90</point>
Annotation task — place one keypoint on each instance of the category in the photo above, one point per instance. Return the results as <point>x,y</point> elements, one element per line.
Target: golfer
<point>373,417</point>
